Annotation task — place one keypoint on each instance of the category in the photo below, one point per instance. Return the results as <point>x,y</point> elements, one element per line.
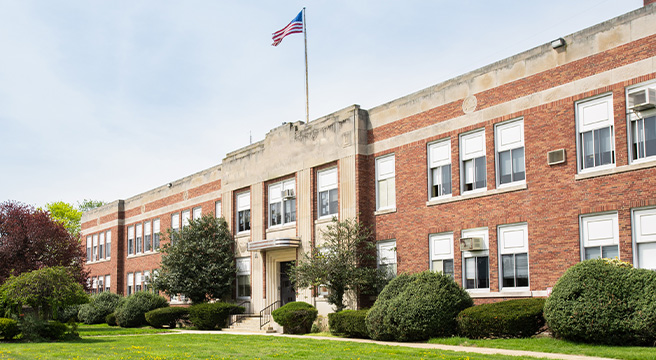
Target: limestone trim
<point>505,189</point>
<point>616,170</point>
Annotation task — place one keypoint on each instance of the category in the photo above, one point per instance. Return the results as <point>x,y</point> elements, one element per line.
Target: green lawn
<point>219,346</point>
<point>104,329</point>
<point>550,345</point>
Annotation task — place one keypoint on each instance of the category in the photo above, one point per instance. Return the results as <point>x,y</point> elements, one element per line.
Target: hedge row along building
<point>503,177</point>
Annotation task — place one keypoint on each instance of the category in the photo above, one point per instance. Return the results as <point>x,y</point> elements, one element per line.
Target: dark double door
<point>287,293</point>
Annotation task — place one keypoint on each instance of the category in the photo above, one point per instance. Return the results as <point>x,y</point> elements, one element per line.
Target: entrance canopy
<point>274,244</point>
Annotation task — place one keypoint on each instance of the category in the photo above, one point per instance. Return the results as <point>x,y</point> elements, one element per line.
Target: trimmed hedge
<point>131,312</point>
<point>111,319</point>
<point>8,328</point>
<point>605,302</point>
<point>417,307</point>
<point>505,319</point>
<point>349,323</point>
<point>100,306</point>
<point>209,316</point>
<point>166,316</point>
<point>295,317</point>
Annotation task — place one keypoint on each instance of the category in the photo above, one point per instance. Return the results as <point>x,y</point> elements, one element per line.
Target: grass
<point>550,345</point>
<point>104,329</point>
<point>223,346</point>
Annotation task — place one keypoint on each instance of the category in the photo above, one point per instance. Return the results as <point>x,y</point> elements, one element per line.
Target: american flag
<point>294,27</point>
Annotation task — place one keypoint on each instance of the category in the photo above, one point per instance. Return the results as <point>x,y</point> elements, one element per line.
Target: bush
<point>111,319</point>
<point>209,316</point>
<point>131,312</point>
<point>54,330</point>
<point>604,301</point>
<point>100,306</point>
<point>350,323</point>
<point>34,329</point>
<point>67,313</point>
<point>417,307</point>
<point>295,317</point>
<point>505,319</point>
<point>8,328</point>
<point>166,316</point>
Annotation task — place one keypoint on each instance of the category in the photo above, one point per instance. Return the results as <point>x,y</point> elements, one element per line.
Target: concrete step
<point>250,324</point>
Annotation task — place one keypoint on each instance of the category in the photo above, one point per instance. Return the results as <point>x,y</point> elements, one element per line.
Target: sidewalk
<point>469,349</point>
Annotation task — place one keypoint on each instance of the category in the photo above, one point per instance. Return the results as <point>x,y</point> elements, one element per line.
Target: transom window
<point>600,236</point>
<point>473,167</point>
<point>244,212</point>
<point>327,192</point>
<point>441,253</point>
<point>596,137</point>
<point>385,183</point>
<point>509,141</point>
<point>513,251</point>
<point>439,173</point>
<point>282,203</point>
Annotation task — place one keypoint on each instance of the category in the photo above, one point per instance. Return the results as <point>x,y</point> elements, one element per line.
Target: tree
<point>344,262</point>
<point>88,204</point>
<point>44,290</point>
<point>198,262</point>
<point>31,240</point>
<point>70,216</point>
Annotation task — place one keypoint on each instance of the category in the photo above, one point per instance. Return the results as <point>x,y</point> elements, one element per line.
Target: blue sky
<point>107,99</point>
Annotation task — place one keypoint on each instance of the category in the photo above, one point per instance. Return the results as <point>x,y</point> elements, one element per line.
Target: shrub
<point>350,323</point>
<point>604,301</point>
<point>295,317</point>
<point>506,319</point>
<point>208,316</point>
<point>100,306</point>
<point>111,319</point>
<point>131,312</point>
<point>417,307</point>
<point>34,329</point>
<point>8,328</point>
<point>166,316</point>
<point>67,313</point>
<point>54,330</point>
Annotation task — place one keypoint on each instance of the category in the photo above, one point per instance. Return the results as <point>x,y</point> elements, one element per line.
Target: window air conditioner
<point>642,99</point>
<point>556,157</point>
<point>472,244</point>
<point>288,194</point>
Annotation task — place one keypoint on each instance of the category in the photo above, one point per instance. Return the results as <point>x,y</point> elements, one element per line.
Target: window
<point>385,187</point>
<point>101,245</point>
<point>596,143</point>
<point>146,280</point>
<point>513,251</point>
<point>107,282</point>
<point>186,214</point>
<point>148,245</point>
<point>175,221</point>
<point>217,209</point>
<point>476,263</point>
<point>439,172</point>
<point>472,155</point>
<point>94,285</point>
<point>108,244</point>
<point>89,253</point>
<point>156,231</point>
<point>243,212</point>
<point>387,257</point>
<point>441,253</point>
<point>644,235</point>
<point>139,242</point>
<point>642,127</point>
<point>243,277</point>
<point>137,281</point>
<point>95,247</point>
<point>327,192</point>
<point>197,212</point>
<point>130,283</point>
<point>101,287</point>
<point>509,141</point>
<point>282,203</point>
<point>130,240</point>
<point>600,236</point>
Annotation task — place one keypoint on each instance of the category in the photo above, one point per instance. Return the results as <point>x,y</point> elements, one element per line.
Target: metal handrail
<point>237,317</point>
<point>267,312</point>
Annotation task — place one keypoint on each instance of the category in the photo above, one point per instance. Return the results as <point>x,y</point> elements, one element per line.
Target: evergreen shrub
<point>295,317</point>
<point>131,312</point>
<point>8,328</point>
<point>111,319</point>
<point>168,316</point>
<point>505,319</point>
<point>349,323</point>
<point>100,306</point>
<point>209,316</point>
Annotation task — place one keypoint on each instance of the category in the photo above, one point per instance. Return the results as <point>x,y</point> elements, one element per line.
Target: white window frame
<point>186,215</point>
<point>108,244</point>
<point>218,209</point>
<point>94,285</point>
<point>439,156</point>
<point>481,233</point>
<point>197,213</point>
<point>509,136</point>
<point>148,238</point>
<point>89,248</point>
<point>327,183</point>
<point>137,281</point>
<point>101,286</point>
<point>101,245</point>
<point>243,202</point>
<point>95,247</point>
<point>591,225</point>
<point>138,245</point>
<point>638,116</point>
<point>472,147</point>
<point>175,222</point>
<point>108,279</point>
<point>243,265</point>
<point>130,284</point>
<point>386,256</point>
<point>146,280</point>
<point>131,240</point>
<point>586,112</point>
<point>512,239</point>
<point>275,198</point>
<point>441,250</point>
<point>644,236</point>
<point>386,174</point>
<point>156,233</point>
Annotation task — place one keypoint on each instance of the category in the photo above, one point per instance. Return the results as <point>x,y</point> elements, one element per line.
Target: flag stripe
<point>294,27</point>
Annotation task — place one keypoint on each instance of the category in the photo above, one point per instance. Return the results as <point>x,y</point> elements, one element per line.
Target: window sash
<point>139,242</point>
<point>441,181</point>
<point>606,252</point>
<point>643,137</point>
<point>514,269</point>
<point>108,244</point>
<point>475,174</point>
<point>328,203</point>
<point>445,266</point>
<point>244,220</point>
<point>130,240</point>
<point>477,272</point>
<point>386,193</point>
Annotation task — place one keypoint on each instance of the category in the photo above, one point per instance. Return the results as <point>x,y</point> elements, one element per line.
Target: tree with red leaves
<point>30,240</point>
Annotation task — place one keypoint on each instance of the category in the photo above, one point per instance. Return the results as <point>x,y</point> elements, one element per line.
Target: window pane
<point>480,172</point>
<point>647,255</point>
<point>383,200</point>
<point>587,156</point>
<point>605,146</point>
<point>470,273</point>
<point>391,192</point>
<point>505,167</point>
<point>592,253</point>
<point>521,269</point>
<point>508,270</point>
<point>469,175</point>
<point>243,286</point>
<point>438,266</point>
<point>274,214</point>
<point>324,204</point>
<point>446,179</point>
<point>637,136</point>
<point>448,268</point>
<point>518,164</point>
<point>610,252</point>
<point>290,210</point>
<point>482,272</point>
<point>650,136</point>
<point>436,182</point>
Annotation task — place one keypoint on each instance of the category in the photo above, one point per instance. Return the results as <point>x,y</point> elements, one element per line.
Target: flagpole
<point>307,96</point>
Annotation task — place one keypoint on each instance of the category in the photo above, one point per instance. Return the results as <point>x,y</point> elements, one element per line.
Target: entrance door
<point>287,293</point>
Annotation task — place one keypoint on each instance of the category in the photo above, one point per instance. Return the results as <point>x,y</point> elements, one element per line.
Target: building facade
<point>503,177</point>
